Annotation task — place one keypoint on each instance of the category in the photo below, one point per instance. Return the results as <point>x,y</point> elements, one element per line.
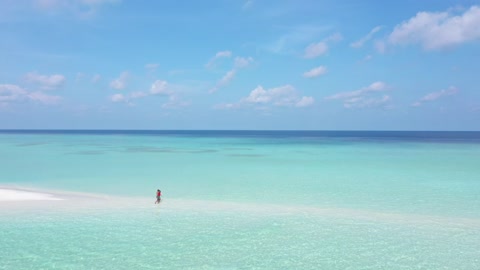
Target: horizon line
<point>315,130</point>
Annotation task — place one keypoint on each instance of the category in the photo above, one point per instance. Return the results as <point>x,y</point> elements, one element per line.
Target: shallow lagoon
<point>242,202</point>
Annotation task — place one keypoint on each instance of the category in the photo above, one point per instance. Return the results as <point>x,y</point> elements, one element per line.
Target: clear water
<point>244,200</point>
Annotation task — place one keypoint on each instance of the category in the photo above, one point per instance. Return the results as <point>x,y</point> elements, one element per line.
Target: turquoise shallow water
<point>148,239</point>
<point>391,204</point>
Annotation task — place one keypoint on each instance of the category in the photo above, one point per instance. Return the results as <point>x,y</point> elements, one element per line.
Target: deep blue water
<point>423,136</point>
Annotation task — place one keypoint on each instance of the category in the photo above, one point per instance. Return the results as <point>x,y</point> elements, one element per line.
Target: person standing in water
<point>159,194</point>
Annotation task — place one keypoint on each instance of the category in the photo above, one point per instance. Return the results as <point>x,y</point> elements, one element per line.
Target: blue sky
<point>240,64</point>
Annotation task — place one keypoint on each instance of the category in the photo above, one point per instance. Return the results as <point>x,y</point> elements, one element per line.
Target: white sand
<point>13,199</point>
<point>23,195</point>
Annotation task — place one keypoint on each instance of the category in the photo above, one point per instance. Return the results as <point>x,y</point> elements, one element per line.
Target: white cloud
<point>315,72</point>
<point>334,38</point>
<point>380,46</point>
<point>362,98</point>
<point>316,49</point>
<point>362,102</point>
<point>437,30</point>
<point>13,93</point>
<point>120,82</point>
<point>159,87</point>
<point>260,95</point>
<point>118,98</point>
<point>44,98</point>
<point>223,54</point>
<point>320,48</point>
<point>296,36</point>
<point>239,63</point>
<point>46,82</point>
<point>374,87</point>
<point>305,102</point>
<point>436,95</point>
<point>227,78</point>
<point>218,55</point>
<point>279,96</point>
<point>242,62</point>
<point>175,102</point>
<point>359,43</point>
<point>10,92</point>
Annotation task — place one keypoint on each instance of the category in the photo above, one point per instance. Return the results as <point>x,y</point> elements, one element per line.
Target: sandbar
<point>11,194</point>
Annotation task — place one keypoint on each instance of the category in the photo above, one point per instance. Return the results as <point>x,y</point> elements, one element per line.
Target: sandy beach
<point>11,194</point>
<point>12,199</point>
<point>15,197</point>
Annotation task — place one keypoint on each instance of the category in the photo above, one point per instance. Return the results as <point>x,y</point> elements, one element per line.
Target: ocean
<point>242,200</point>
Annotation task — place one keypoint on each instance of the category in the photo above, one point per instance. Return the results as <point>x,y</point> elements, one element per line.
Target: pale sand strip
<point>13,198</point>
<point>23,195</point>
